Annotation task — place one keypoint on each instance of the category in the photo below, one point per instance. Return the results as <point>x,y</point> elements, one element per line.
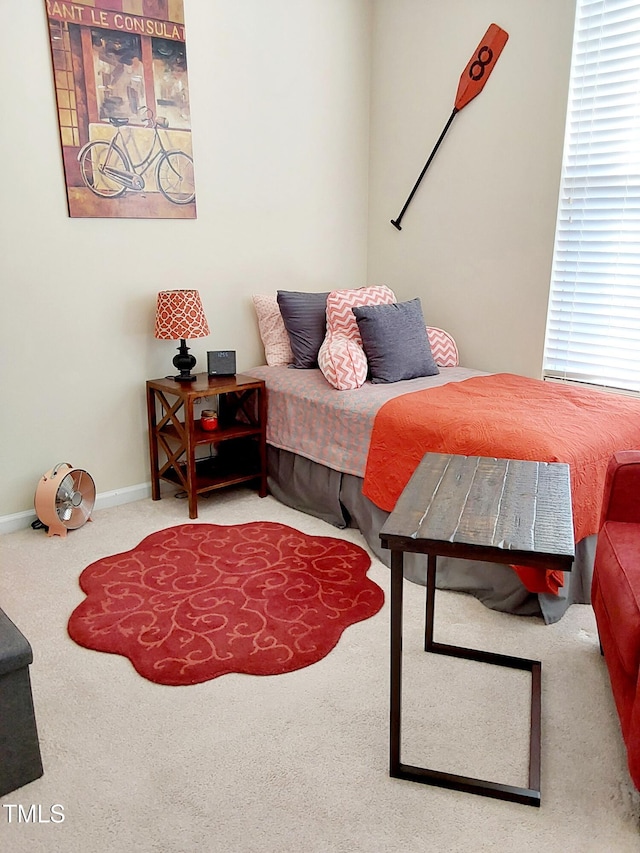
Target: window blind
<point>593,322</point>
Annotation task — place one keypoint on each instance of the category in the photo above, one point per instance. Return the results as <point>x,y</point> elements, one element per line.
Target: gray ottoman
<point>20,760</point>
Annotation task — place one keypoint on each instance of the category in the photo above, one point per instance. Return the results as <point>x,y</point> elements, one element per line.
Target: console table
<point>494,510</point>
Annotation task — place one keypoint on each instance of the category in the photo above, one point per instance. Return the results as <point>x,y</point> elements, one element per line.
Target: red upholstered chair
<point>615,594</point>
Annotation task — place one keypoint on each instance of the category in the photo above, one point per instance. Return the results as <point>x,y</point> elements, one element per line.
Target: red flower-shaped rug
<point>196,601</point>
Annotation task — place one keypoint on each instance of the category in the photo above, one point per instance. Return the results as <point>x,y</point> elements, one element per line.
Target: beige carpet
<point>298,762</point>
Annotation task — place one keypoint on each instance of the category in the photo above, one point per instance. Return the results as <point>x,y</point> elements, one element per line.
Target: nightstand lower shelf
<point>216,473</point>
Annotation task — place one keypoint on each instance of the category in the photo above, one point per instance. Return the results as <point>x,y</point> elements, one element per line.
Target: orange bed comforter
<point>508,417</point>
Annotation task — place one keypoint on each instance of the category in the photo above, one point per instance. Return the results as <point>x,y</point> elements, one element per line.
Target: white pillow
<point>275,340</point>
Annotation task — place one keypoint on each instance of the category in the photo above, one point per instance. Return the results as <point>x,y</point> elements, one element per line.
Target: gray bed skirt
<point>337,499</point>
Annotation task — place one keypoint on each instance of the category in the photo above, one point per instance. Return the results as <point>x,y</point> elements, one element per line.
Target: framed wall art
<point>122,92</point>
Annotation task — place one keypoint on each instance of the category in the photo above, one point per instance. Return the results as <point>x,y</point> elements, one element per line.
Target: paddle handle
<point>396,222</point>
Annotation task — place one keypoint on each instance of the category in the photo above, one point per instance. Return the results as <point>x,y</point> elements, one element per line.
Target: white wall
<point>477,240</point>
<point>279,101</point>
<point>280,114</point>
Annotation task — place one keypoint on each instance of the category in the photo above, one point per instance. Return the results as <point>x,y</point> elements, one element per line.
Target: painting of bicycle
<point>122,92</point>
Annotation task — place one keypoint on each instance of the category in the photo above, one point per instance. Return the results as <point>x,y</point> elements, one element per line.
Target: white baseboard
<point>20,520</point>
<point>123,496</point>
<point>16,521</point>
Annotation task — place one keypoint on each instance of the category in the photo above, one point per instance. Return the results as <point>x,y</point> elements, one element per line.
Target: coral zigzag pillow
<point>341,358</point>
<point>343,362</point>
<point>443,347</point>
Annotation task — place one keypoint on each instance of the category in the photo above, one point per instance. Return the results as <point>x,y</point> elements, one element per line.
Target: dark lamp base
<point>184,362</point>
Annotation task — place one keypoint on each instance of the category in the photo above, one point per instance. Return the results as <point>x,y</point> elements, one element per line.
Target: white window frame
<point>593,321</point>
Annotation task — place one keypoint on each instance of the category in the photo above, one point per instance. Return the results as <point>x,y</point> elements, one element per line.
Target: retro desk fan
<point>64,499</point>
<point>472,82</point>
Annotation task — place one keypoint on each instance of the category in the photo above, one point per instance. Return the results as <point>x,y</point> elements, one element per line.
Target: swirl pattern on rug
<point>196,601</point>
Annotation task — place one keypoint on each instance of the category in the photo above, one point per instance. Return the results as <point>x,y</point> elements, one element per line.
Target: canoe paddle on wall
<point>472,82</point>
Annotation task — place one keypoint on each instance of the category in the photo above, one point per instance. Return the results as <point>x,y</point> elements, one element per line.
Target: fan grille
<point>75,498</point>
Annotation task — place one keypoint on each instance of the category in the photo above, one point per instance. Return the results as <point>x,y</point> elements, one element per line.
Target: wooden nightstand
<point>239,440</point>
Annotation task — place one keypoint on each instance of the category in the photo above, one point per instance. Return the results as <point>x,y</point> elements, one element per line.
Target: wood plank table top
<point>496,510</point>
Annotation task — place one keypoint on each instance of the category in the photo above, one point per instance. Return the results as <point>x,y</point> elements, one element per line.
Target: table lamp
<point>179,315</point>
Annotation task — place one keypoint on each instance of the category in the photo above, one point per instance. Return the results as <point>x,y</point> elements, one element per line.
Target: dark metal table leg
<point>396,661</point>
<point>430,601</point>
<point>528,796</point>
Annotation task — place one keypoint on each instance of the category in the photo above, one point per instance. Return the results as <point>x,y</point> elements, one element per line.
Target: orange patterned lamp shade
<point>180,315</point>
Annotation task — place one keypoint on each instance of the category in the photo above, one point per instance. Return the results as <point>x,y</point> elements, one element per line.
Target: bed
<point>320,441</point>
<point>346,429</point>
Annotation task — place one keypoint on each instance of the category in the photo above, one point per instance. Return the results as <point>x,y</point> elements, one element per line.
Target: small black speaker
<point>221,362</point>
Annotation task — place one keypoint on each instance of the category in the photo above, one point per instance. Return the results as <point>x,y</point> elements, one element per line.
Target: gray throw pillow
<point>305,319</point>
<point>395,341</point>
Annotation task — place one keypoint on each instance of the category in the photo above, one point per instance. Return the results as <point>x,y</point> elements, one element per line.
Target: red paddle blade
<point>480,66</point>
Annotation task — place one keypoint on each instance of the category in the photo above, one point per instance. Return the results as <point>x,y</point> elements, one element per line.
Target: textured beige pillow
<point>275,340</point>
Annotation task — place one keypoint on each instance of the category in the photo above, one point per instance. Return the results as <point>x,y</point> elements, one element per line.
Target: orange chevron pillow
<point>341,358</point>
